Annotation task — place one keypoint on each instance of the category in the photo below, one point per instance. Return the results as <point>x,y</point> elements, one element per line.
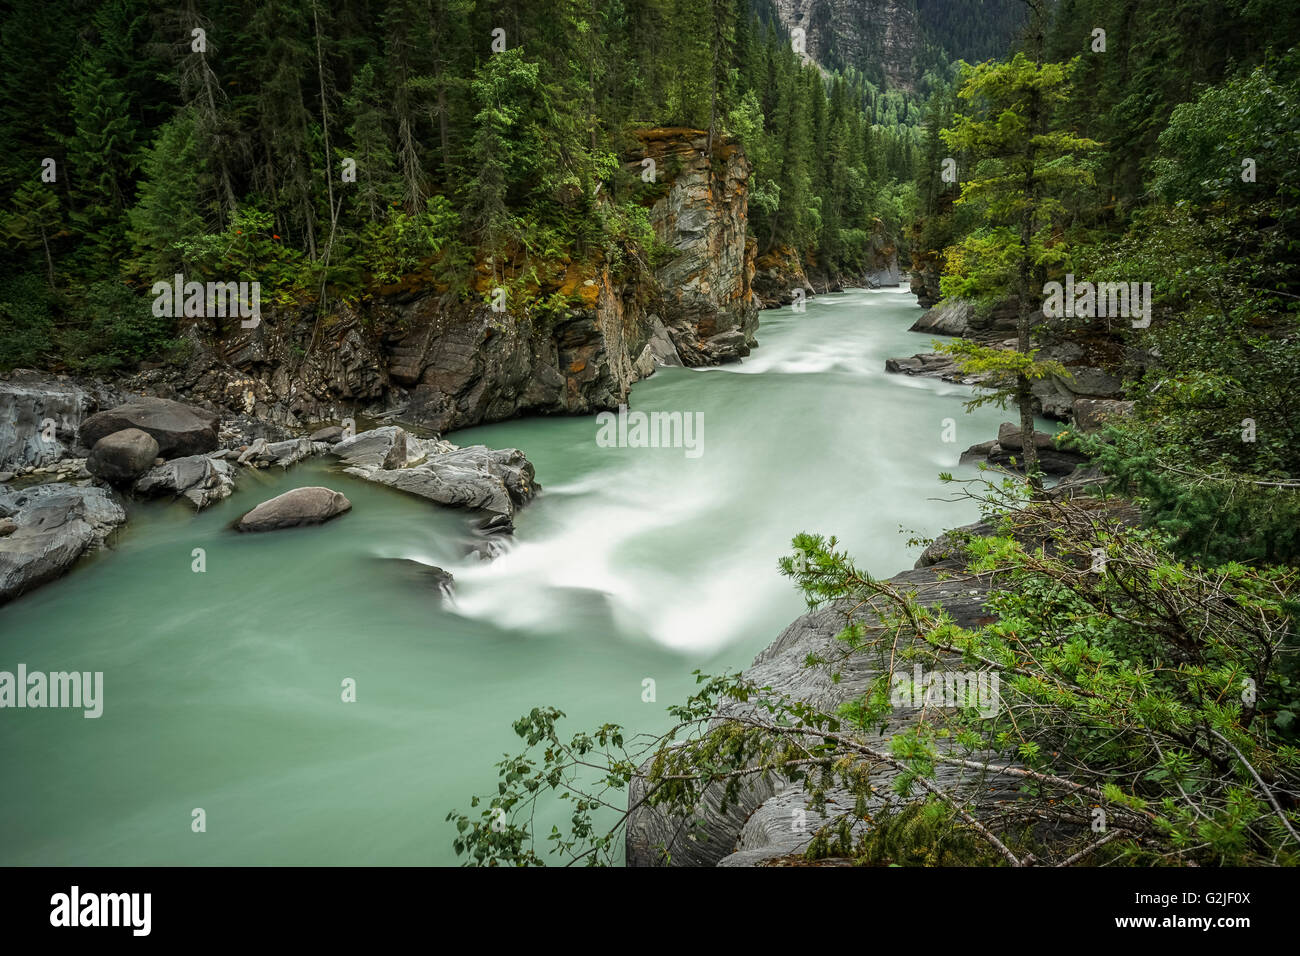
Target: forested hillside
<point>329,149</point>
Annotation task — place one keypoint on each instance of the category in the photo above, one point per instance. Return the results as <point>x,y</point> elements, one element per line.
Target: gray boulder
<point>330,433</point>
<point>949,317</point>
<point>1057,394</point>
<point>1011,438</point>
<point>198,479</point>
<point>301,506</point>
<point>497,481</point>
<point>1091,413</point>
<point>122,457</point>
<point>179,429</point>
<point>55,524</point>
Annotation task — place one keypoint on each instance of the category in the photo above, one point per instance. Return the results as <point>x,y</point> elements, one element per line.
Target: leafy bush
<point>402,243</point>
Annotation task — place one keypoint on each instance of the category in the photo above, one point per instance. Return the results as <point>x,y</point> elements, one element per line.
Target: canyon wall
<point>431,360</point>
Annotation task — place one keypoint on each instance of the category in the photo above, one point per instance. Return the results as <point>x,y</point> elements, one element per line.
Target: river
<point>222,689</point>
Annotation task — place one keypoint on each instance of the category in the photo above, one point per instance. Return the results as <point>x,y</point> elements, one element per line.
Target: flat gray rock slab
<point>55,525</point>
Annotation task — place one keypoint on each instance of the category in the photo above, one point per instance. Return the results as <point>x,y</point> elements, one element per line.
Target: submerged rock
<point>428,575</point>
<point>123,456</point>
<point>54,525</point>
<point>301,506</point>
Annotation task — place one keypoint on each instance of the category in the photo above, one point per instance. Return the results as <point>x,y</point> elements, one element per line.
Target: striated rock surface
<point>950,317</point>
<point>706,300</point>
<point>496,481</point>
<point>198,479</point>
<point>40,416</point>
<point>54,525</point>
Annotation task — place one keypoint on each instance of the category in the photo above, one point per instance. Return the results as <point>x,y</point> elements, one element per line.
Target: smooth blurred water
<point>223,688</point>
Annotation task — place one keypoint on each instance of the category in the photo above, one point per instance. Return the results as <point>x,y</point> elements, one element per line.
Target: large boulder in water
<point>498,481</point>
<point>122,457</point>
<point>300,506</point>
<point>55,525</point>
<point>179,429</point>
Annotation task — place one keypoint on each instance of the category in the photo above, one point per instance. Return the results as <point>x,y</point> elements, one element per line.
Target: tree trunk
<point>1026,297</point>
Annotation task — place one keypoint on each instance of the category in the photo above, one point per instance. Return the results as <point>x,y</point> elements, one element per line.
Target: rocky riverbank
<point>92,462</point>
<point>1093,363</point>
<point>769,820</point>
<point>571,340</point>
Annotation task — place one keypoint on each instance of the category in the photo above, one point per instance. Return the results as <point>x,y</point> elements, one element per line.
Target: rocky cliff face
<point>706,298</point>
<point>431,361</point>
<point>883,33</point>
<point>40,415</point>
<point>893,42</point>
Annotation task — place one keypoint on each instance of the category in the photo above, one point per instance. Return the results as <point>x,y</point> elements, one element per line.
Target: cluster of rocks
<point>1055,454</point>
<point>1065,397</point>
<point>494,481</point>
<point>58,502</point>
<point>1008,451</point>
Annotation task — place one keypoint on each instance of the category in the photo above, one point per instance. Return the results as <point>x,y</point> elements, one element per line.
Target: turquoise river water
<point>222,689</point>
